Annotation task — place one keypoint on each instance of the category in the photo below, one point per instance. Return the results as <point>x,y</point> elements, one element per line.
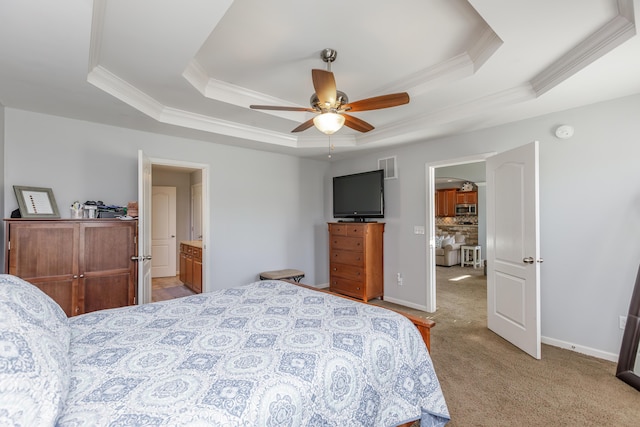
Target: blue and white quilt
<point>265,354</point>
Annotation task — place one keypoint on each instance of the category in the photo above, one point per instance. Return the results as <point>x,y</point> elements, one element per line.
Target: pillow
<point>439,241</point>
<point>448,241</point>
<point>460,238</point>
<point>34,354</point>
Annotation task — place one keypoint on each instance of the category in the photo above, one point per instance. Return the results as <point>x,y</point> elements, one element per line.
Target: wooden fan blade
<point>357,124</point>
<point>281,108</point>
<point>378,102</point>
<point>304,126</point>
<point>325,85</point>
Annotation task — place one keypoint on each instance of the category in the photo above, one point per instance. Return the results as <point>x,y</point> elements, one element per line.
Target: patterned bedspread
<point>265,354</point>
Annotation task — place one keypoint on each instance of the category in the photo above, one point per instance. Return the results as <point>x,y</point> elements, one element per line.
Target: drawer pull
<point>335,269</point>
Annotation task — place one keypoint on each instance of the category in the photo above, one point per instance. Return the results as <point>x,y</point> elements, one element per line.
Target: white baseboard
<point>405,303</point>
<point>386,298</point>
<point>612,357</point>
<point>320,286</point>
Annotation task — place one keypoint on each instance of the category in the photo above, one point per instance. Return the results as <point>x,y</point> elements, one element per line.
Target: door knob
<point>173,236</point>
<point>528,260</point>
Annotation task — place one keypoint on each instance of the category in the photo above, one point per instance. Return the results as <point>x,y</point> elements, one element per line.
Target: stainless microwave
<point>466,209</point>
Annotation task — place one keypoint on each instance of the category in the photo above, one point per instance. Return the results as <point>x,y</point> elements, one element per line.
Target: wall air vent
<point>389,166</point>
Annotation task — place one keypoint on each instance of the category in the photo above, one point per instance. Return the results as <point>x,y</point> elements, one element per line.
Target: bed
<point>269,353</point>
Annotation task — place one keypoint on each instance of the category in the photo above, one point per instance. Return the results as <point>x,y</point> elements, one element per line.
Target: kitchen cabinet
<point>467,197</point>
<point>191,265</point>
<point>356,259</point>
<point>84,265</point>
<point>446,202</point>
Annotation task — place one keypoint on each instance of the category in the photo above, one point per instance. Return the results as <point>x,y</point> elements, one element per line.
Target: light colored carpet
<point>489,382</point>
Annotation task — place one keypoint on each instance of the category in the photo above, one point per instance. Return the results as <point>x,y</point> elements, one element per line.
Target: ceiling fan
<point>331,105</point>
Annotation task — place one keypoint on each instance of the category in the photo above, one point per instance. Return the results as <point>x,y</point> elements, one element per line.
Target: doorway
<point>468,169</point>
<point>513,244</point>
<point>185,179</point>
<point>460,215</point>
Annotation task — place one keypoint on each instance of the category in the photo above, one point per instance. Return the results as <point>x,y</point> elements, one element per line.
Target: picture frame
<point>36,202</point>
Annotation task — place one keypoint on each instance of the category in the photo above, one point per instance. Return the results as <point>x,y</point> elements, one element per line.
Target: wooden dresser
<point>84,265</point>
<point>356,259</point>
<point>191,265</point>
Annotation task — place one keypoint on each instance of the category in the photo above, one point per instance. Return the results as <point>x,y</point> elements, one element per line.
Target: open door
<point>513,247</point>
<point>144,228</point>
<point>163,231</point>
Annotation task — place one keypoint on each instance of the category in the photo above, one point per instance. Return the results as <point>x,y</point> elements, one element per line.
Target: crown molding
<point>205,123</point>
<point>130,95</point>
<point>488,43</point>
<point>422,124</point>
<point>97,25</point>
<point>430,78</point>
<point>105,80</point>
<point>604,40</point>
<point>233,94</point>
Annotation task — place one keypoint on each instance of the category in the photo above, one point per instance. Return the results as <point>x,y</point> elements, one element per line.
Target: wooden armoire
<point>84,265</point>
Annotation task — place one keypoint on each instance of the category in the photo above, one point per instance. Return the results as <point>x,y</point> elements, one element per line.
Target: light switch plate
<point>418,229</point>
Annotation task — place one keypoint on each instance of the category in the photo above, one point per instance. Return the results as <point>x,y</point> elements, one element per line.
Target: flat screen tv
<point>359,196</point>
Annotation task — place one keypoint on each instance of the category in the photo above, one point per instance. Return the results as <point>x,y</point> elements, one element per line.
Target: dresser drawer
<point>347,257</point>
<point>337,229</point>
<point>352,288</point>
<point>347,271</point>
<point>197,254</point>
<point>355,230</point>
<point>346,243</point>
<point>352,230</point>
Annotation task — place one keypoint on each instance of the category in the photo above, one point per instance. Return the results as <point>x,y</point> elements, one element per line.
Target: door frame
<point>206,229</point>
<point>193,235</point>
<point>430,264</point>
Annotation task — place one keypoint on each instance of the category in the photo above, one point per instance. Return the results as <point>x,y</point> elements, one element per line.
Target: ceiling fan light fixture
<point>328,123</point>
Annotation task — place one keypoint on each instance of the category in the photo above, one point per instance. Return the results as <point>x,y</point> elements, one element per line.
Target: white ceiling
<point>192,67</point>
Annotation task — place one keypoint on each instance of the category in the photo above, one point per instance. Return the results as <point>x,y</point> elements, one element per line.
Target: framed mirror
<point>629,361</point>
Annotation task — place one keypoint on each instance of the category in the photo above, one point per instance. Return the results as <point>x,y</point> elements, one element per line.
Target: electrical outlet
<point>400,279</point>
<point>623,322</point>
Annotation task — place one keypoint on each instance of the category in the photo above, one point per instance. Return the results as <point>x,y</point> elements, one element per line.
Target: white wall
<point>265,207</point>
<point>589,216</point>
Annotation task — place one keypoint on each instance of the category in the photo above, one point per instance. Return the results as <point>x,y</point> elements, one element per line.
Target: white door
<point>196,212</point>
<point>513,258</point>
<point>163,231</point>
<point>144,228</point>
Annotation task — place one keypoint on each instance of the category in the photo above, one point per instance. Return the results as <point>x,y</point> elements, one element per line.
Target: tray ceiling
<point>192,68</point>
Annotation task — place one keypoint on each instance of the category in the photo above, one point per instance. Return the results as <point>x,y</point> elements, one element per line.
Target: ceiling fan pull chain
<point>330,147</point>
